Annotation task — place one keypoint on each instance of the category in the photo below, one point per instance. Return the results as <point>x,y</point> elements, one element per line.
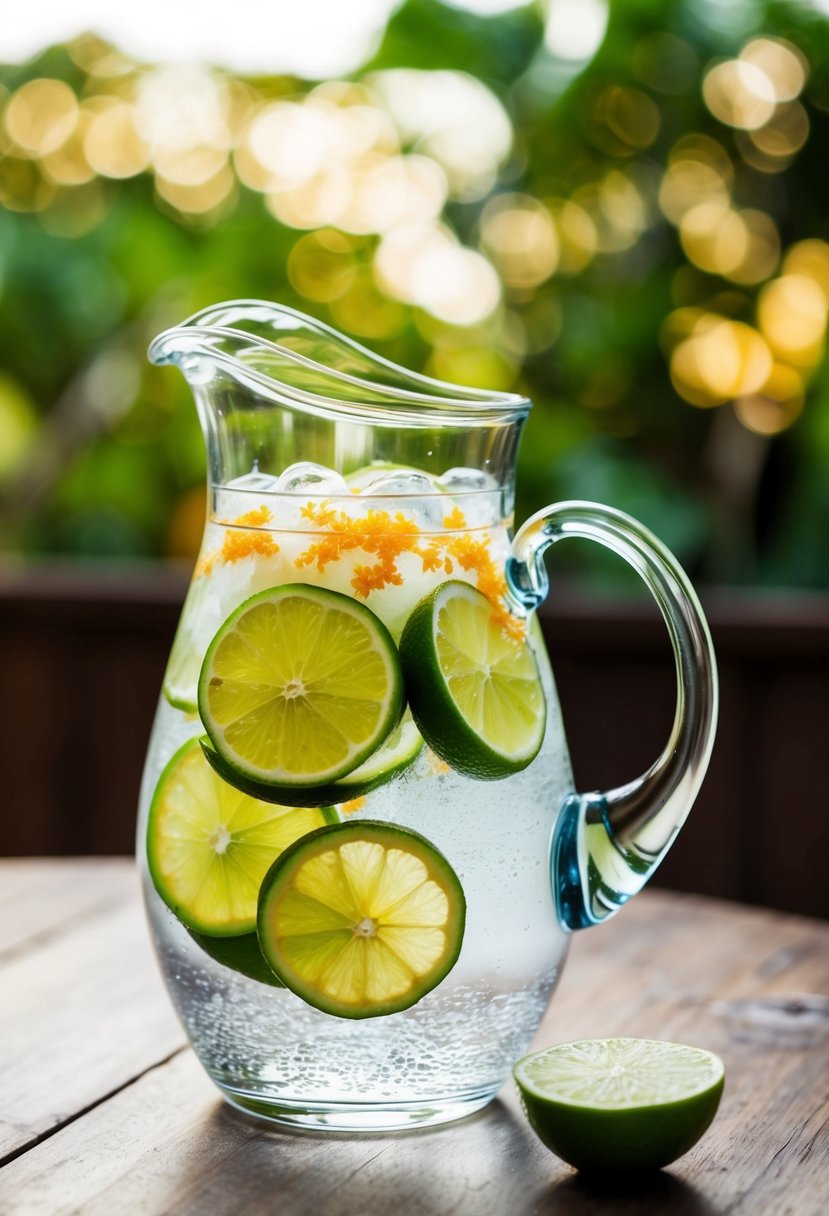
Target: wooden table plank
<point>83,1009</point>
<point>752,985</point>
<point>37,896</point>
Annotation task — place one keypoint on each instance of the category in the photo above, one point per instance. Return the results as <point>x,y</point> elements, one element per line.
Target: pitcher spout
<point>267,378</point>
<point>275,349</point>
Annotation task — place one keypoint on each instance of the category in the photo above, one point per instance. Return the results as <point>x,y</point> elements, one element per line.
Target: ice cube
<point>421,496</point>
<point>306,477</point>
<point>256,482</point>
<point>400,483</point>
<point>467,481</point>
<point>476,493</point>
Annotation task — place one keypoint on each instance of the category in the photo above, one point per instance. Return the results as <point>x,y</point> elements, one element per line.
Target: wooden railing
<point>82,652</point>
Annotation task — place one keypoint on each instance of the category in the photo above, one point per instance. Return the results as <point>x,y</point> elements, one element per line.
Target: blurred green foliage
<point>632,228</point>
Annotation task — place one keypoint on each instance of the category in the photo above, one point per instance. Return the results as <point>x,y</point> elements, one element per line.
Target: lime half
<point>474,691</point>
<point>299,686</point>
<point>620,1104</point>
<point>209,846</point>
<point>361,919</point>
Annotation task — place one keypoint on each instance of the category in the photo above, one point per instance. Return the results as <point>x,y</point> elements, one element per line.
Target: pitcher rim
<point>456,403</point>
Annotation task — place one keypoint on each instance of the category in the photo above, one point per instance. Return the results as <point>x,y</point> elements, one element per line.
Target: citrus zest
<point>238,545</point>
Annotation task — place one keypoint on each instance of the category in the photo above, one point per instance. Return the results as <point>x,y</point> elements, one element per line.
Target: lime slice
<point>209,846</point>
<point>241,954</point>
<point>620,1104</point>
<point>397,754</point>
<point>299,686</point>
<point>361,919</point>
<point>181,678</point>
<point>474,691</point>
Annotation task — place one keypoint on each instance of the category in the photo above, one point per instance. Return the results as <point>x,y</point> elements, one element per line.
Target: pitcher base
<point>358,1116</point>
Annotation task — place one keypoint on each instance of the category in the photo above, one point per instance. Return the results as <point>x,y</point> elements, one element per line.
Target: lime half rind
<point>362,919</point>
<point>299,686</point>
<point>620,1104</point>
<point>474,691</point>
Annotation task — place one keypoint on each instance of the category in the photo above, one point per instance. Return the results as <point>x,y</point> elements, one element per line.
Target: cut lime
<point>181,678</point>
<point>209,846</point>
<point>361,919</point>
<point>397,754</point>
<point>299,686</point>
<point>620,1104</point>
<point>240,954</point>
<point>474,691</point>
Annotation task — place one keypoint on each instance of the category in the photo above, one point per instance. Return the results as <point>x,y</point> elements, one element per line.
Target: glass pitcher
<point>358,492</point>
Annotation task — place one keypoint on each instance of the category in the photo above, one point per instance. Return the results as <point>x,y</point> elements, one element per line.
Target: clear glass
<point>275,389</point>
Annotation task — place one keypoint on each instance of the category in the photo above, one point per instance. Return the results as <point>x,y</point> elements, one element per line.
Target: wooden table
<point>104,1110</point>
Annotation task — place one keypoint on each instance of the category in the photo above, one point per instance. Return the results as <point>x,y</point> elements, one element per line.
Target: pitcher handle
<point>607,844</point>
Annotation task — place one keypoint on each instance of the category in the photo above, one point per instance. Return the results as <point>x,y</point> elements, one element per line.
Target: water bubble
<point>306,477</point>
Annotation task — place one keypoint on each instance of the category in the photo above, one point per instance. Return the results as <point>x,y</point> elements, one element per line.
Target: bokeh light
<point>518,216</point>
<point>112,144</point>
<point>739,94</point>
<point>574,29</point>
<point>518,234</point>
<point>718,360</point>
<point>453,118</point>
<point>792,314</point>
<point>776,406</point>
<point>41,115</point>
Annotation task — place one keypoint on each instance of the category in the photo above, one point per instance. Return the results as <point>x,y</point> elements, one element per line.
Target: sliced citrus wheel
<point>181,678</point>
<point>209,845</point>
<point>397,754</point>
<point>362,919</point>
<point>299,686</point>
<point>474,691</point>
<point>620,1104</point>
<point>240,954</point>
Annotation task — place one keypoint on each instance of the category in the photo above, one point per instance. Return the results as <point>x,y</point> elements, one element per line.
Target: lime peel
<point>620,1104</point>
<point>395,756</point>
<point>361,919</point>
<point>299,686</point>
<point>209,845</point>
<point>475,692</point>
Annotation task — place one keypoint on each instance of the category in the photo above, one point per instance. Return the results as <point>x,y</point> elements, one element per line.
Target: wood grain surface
<point>104,1109</point>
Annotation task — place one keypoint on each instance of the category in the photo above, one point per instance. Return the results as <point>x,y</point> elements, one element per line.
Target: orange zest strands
<point>455,520</point>
<point>246,543</point>
<point>380,533</point>
<point>437,767</point>
<point>386,536</point>
<point>383,536</point>
<point>353,805</point>
<point>257,518</point>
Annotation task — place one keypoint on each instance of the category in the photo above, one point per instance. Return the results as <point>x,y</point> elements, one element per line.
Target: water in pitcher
<point>385,537</point>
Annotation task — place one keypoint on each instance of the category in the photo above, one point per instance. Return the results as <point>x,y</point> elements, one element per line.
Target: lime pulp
<point>361,919</point>
<point>620,1104</point>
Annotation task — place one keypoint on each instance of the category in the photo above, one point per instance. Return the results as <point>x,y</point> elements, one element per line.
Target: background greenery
<point>632,232</point>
